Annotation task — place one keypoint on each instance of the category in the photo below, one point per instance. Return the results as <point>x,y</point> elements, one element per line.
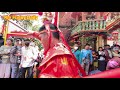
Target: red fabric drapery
<point>56,18</point>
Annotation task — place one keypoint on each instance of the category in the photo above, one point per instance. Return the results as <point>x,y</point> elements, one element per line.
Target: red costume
<point>58,63</point>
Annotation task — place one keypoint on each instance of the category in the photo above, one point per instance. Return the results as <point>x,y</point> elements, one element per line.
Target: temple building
<point>94,28</point>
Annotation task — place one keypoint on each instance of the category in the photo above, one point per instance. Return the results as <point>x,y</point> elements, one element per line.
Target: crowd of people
<point>23,59</point>
<point>93,61</point>
<point>19,58</point>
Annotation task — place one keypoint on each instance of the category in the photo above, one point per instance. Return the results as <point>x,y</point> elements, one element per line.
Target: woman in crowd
<point>101,59</point>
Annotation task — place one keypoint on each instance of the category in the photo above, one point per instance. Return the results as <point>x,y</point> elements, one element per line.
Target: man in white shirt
<point>27,60</point>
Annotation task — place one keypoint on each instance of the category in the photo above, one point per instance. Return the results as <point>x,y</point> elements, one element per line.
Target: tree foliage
<point>35,28</point>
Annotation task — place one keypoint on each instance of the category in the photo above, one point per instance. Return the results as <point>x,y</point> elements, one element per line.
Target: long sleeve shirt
<point>13,51</point>
<point>77,55</point>
<point>86,54</point>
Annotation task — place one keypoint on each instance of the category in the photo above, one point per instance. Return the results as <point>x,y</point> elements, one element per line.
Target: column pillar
<point>97,15</point>
<point>83,16</point>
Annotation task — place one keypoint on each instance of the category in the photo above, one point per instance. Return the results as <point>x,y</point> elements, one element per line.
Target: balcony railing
<point>89,25</point>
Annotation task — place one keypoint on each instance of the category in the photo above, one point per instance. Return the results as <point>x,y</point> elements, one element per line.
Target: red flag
<point>56,18</point>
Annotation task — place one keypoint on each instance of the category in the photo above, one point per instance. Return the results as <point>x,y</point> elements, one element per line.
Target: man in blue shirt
<point>76,52</point>
<point>86,57</point>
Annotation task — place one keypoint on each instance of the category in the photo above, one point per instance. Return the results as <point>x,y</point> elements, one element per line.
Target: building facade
<point>90,27</point>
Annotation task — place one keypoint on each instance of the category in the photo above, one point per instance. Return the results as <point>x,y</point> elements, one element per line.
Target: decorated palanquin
<point>58,63</point>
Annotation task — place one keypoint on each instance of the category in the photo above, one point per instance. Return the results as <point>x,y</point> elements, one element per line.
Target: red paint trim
<point>112,24</point>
